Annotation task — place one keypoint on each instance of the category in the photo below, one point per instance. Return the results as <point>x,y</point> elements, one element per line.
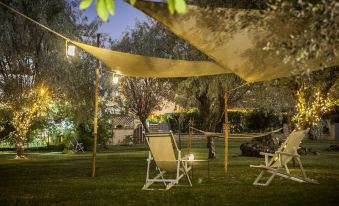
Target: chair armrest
<point>266,157</point>
<point>266,154</point>
<point>288,154</point>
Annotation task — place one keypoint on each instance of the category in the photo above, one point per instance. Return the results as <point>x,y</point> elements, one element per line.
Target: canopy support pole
<point>95,122</point>
<point>190,130</point>
<point>179,123</point>
<point>226,131</point>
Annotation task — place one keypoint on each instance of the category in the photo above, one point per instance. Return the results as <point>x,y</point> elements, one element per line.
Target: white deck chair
<point>162,152</point>
<point>275,162</point>
<point>77,147</point>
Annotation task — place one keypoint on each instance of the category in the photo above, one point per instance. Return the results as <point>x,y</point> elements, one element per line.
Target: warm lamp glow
<point>190,157</point>
<point>42,91</point>
<point>71,50</point>
<point>115,79</point>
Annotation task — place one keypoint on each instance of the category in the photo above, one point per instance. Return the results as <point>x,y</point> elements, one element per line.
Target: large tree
<point>316,95</point>
<point>145,95</point>
<point>31,56</point>
<point>207,94</point>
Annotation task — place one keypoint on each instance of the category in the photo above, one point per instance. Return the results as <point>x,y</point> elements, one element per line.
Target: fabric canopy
<point>217,33</point>
<point>145,66</point>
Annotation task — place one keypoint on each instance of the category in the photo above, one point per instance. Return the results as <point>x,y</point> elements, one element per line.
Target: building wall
<point>334,131</point>
<point>119,135</point>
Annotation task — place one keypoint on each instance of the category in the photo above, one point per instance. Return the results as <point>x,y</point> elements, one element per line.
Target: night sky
<point>124,18</point>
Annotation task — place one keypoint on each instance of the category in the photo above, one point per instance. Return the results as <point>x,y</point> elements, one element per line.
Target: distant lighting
<point>190,157</point>
<point>71,50</point>
<point>115,79</point>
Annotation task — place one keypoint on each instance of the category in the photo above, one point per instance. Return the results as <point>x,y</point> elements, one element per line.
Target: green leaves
<point>132,1</point>
<point>110,6</point>
<point>106,7</point>
<point>171,6</point>
<point>176,5</point>
<point>180,6</point>
<point>102,9</point>
<point>85,4</point>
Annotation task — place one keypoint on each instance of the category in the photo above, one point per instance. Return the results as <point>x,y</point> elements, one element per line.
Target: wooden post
<point>226,131</point>
<point>289,122</point>
<point>190,133</point>
<point>95,122</point>
<point>179,122</point>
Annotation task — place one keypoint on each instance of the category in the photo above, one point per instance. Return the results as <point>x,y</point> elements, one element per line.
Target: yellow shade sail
<point>137,65</point>
<point>219,34</point>
<point>145,66</point>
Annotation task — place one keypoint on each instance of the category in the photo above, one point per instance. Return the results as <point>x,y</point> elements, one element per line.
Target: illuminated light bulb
<point>190,157</point>
<point>42,91</point>
<point>115,79</point>
<point>71,50</point>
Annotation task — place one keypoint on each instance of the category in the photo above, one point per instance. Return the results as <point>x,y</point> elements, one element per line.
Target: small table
<point>208,167</point>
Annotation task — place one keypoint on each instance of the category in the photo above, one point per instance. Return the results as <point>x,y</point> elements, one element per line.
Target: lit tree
<point>312,104</point>
<point>31,56</point>
<point>32,104</point>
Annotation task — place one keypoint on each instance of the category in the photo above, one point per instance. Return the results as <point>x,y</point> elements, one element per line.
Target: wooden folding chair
<point>76,146</point>
<point>274,163</point>
<point>162,152</point>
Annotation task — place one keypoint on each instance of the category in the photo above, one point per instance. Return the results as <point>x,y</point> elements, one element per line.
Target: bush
<point>255,121</point>
<point>58,147</point>
<point>86,135</point>
<point>261,121</point>
<point>316,131</point>
<point>128,140</point>
<point>173,121</point>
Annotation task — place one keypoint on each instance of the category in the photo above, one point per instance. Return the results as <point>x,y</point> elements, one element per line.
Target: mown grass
<point>63,179</point>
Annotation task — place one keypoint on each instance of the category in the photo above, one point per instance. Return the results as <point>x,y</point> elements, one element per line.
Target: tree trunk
<point>211,148</point>
<point>209,123</point>
<point>143,122</point>
<point>20,147</point>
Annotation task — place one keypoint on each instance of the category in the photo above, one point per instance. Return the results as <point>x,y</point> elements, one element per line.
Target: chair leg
<point>170,185</point>
<point>147,183</point>
<point>270,179</point>
<point>286,168</point>
<point>258,178</point>
<point>150,182</point>
<point>273,174</point>
<point>309,180</point>
<point>162,177</point>
<point>301,168</point>
<point>185,170</point>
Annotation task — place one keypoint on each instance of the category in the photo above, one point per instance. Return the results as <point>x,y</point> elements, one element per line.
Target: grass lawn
<point>63,179</point>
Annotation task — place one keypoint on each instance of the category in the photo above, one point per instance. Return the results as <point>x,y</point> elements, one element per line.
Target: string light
<point>310,110</point>
<point>70,49</point>
<point>115,79</point>
<point>25,115</point>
